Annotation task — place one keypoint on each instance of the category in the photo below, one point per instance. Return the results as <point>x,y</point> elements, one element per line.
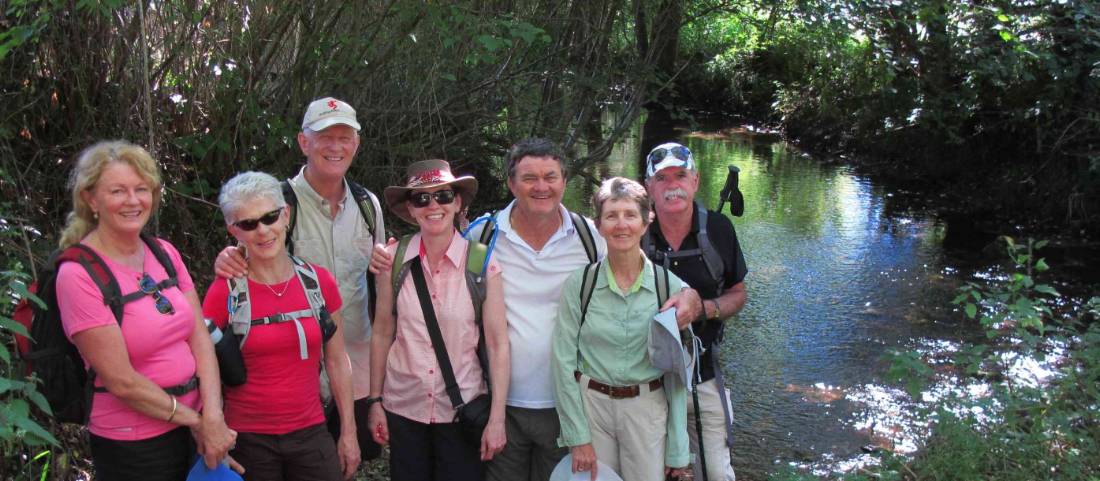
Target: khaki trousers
<point>628,434</point>
<point>719,467</point>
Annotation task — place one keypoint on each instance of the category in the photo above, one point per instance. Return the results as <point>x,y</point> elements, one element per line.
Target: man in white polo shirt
<point>538,244</point>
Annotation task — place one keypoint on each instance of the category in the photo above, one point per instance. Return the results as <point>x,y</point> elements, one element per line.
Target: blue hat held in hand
<point>221,472</point>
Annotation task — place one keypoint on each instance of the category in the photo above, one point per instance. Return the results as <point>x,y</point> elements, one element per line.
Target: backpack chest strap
<point>303,349</point>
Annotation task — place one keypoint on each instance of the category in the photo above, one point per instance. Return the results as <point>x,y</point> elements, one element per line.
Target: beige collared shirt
<point>343,245</point>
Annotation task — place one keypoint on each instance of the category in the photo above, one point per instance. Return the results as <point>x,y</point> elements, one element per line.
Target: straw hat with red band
<point>425,175</point>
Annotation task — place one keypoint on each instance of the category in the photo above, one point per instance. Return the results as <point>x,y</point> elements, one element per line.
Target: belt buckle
<point>624,392</point>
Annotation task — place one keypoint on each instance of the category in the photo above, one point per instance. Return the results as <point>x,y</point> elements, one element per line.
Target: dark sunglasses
<point>251,224</point>
<point>150,288</point>
<point>421,200</point>
<point>680,152</point>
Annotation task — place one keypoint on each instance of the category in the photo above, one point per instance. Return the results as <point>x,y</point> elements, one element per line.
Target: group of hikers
<point>490,355</point>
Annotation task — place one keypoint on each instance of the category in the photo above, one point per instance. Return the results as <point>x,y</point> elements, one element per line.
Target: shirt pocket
<point>312,250</point>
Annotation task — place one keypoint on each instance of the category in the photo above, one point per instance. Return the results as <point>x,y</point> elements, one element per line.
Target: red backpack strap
<point>99,272</point>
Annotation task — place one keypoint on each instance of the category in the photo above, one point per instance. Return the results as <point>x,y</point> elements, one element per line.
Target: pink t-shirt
<point>155,343</point>
<point>282,392</point>
<point>414,388</point>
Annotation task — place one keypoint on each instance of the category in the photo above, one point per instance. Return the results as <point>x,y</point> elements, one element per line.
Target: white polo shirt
<point>532,287</point>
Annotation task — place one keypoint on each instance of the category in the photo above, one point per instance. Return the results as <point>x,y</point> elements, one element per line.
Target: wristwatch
<point>373,399</point>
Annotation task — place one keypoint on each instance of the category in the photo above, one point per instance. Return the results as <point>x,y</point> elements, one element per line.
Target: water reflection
<point>836,275</point>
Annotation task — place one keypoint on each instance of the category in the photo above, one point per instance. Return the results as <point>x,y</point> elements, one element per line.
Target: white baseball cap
<point>667,155</point>
<point>324,113</point>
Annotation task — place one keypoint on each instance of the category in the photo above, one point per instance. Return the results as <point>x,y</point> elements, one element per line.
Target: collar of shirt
<point>655,227</point>
<point>315,198</point>
<point>643,281</point>
<point>504,224</point>
<point>455,253</point>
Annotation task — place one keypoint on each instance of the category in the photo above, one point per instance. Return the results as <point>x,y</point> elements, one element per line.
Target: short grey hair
<point>620,188</point>
<point>246,187</point>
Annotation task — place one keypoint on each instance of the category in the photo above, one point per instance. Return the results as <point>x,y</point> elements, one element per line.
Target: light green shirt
<point>613,349</point>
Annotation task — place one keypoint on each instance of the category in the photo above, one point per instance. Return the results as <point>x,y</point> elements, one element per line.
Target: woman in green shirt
<point>610,398</point>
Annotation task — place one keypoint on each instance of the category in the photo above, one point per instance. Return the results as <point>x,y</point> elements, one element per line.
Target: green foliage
<point>996,94</point>
<point>20,431</point>
<point>1020,432</point>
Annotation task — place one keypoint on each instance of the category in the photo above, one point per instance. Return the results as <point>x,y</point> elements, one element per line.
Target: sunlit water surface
<point>838,274</point>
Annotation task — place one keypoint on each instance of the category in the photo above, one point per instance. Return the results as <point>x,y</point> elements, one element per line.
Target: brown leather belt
<point>618,392</point>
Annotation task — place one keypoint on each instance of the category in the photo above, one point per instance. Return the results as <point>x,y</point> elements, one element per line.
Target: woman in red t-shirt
<point>277,411</point>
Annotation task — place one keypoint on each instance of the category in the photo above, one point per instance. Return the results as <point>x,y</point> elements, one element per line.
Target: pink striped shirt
<point>414,387</point>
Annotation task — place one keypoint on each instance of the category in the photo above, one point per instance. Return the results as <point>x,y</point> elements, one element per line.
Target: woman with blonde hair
<point>157,388</point>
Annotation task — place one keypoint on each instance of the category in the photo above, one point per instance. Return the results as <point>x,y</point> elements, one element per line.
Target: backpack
<point>477,260</point>
<point>240,308</point>
<point>489,233</point>
<point>366,201</point>
<point>592,272</point>
<point>363,197</point>
<point>711,257</point>
<point>48,354</point>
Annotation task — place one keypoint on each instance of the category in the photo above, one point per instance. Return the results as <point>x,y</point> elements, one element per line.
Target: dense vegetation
<point>996,103</point>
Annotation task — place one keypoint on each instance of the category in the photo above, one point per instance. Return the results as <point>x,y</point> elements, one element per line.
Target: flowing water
<point>839,272</point>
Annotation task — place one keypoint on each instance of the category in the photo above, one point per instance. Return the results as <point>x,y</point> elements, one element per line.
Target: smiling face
<point>329,152</point>
<point>673,190</point>
<point>621,223</point>
<point>435,218</point>
<point>122,199</point>
<point>266,241</point>
<point>538,185</point>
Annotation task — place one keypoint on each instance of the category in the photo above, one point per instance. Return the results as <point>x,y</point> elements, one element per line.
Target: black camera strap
<point>433,331</point>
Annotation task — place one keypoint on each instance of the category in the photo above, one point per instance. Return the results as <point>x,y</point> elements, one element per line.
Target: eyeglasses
<point>251,224</point>
<point>679,151</point>
<point>150,288</point>
<point>422,199</point>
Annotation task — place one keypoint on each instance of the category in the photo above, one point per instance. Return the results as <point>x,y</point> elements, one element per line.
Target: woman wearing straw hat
<point>410,407</point>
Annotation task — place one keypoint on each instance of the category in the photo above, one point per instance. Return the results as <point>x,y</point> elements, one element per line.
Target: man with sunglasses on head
<point>701,248</point>
<point>330,228</point>
<point>539,243</point>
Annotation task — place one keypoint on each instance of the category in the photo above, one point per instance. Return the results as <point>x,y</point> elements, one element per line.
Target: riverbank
<point>975,206</point>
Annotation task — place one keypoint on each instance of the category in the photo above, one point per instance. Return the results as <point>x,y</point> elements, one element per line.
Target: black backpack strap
<point>490,228</point>
<point>585,234</point>
<point>588,286</point>
<point>436,336</point>
<point>660,281</point>
<point>365,199</point>
<point>291,199</point>
<point>163,259</point>
<point>711,257</point>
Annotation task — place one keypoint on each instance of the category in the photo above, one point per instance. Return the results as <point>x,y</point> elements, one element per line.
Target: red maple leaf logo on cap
<point>332,104</point>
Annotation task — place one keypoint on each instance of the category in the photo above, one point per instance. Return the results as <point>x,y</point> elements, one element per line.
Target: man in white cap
<point>335,223</point>
<point>701,248</point>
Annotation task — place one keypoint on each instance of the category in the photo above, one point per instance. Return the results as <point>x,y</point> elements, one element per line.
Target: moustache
<point>674,193</point>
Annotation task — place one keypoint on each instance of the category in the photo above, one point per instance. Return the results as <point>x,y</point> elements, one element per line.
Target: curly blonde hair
<point>89,167</point>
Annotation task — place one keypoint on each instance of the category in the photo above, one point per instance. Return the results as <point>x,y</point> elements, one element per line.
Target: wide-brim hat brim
<point>564,471</point>
<point>397,196</point>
